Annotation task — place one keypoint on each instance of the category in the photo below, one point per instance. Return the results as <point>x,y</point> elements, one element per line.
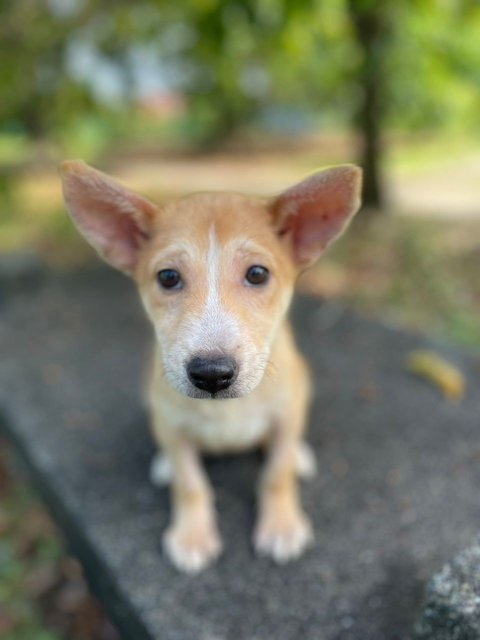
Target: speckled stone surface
<point>396,497</point>
<point>452,608</point>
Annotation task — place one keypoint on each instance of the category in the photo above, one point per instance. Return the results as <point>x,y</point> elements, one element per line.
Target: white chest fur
<point>219,426</point>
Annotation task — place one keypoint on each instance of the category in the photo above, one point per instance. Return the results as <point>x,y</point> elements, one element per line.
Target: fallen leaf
<point>444,375</point>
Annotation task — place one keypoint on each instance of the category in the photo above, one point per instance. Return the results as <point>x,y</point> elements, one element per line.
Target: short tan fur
<point>226,373</point>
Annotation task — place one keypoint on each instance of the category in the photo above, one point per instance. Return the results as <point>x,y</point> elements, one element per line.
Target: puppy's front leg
<point>283,531</point>
<point>192,540</point>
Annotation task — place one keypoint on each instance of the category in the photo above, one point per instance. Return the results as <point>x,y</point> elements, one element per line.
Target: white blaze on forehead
<point>215,328</point>
<point>213,269</point>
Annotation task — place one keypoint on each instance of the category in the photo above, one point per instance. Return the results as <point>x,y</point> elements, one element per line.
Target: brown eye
<point>257,275</point>
<point>169,279</point>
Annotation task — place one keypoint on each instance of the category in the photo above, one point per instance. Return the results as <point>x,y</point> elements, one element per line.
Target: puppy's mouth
<point>223,394</point>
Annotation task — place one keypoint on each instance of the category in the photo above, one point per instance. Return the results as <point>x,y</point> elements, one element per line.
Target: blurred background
<point>249,95</point>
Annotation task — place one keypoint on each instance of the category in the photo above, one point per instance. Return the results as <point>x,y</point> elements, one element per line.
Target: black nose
<point>212,374</point>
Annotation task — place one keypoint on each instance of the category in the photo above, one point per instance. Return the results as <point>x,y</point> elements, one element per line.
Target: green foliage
<point>234,58</point>
<point>433,65</point>
<point>37,93</point>
<point>293,66</point>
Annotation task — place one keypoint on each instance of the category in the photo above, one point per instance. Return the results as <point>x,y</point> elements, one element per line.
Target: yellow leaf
<point>444,375</point>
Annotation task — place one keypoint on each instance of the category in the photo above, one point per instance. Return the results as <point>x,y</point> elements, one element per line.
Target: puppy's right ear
<point>114,220</point>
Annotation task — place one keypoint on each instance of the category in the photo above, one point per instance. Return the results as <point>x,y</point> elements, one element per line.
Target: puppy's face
<point>215,280</point>
<point>215,271</point>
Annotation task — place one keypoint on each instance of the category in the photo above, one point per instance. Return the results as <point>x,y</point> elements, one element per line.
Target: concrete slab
<point>396,497</point>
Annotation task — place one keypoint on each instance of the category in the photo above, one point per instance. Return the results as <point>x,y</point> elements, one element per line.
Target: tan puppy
<point>216,273</point>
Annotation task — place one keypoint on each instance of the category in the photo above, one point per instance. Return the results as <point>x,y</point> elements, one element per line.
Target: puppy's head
<point>215,271</point>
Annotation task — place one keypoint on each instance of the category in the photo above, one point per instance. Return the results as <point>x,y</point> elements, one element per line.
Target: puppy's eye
<point>257,275</point>
<point>169,279</point>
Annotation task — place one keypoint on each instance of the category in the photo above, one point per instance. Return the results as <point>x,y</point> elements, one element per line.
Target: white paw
<point>305,461</point>
<point>160,470</point>
<point>283,538</point>
<point>192,549</point>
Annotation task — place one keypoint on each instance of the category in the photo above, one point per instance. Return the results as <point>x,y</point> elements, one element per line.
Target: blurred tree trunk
<point>370,26</point>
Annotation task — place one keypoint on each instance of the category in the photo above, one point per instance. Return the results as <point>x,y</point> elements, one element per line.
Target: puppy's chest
<point>227,426</point>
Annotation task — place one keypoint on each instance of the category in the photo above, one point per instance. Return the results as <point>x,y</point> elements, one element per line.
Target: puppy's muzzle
<point>212,374</point>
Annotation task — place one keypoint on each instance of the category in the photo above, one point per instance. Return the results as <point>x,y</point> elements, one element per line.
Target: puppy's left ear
<point>314,212</point>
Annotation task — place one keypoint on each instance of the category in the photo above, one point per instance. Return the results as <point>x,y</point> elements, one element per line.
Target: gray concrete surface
<point>396,497</point>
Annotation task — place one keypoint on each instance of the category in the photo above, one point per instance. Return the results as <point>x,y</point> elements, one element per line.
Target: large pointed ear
<point>114,220</point>
<point>314,212</point>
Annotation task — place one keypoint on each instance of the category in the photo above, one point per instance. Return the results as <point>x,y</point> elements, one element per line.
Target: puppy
<point>216,273</point>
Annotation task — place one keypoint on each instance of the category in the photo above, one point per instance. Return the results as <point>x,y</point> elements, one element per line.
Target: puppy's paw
<point>283,537</point>
<point>192,548</point>
<point>160,470</point>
